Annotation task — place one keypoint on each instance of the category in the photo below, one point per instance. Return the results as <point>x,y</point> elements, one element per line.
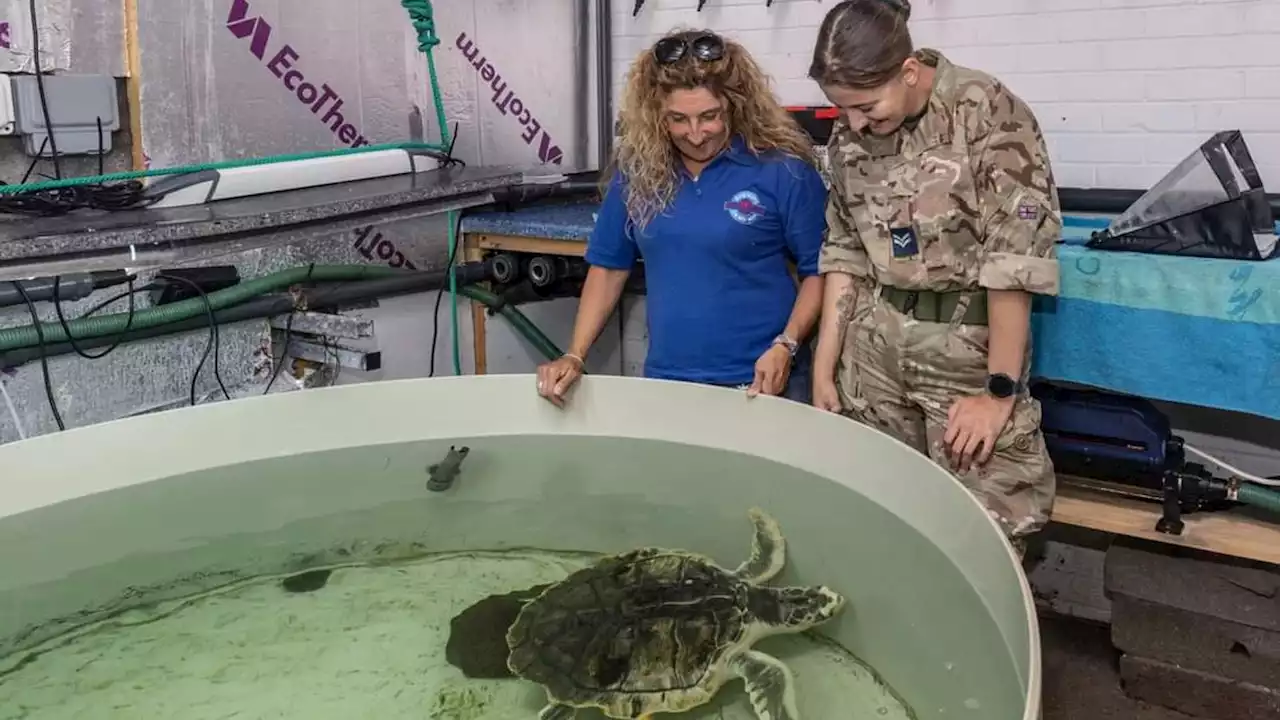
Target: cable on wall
<point>44,356</point>
<point>212,347</point>
<point>44,98</point>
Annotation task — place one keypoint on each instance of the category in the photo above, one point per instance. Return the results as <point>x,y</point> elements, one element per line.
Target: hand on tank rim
<point>773,369</point>
<point>555,378</point>
<point>825,396</point>
<point>973,424</point>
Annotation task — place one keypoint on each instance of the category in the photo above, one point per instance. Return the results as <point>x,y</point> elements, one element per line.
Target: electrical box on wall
<point>83,110</point>
<point>7,121</point>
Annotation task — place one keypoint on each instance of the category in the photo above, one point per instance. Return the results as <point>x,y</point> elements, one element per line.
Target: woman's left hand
<point>772,371</point>
<point>973,424</point>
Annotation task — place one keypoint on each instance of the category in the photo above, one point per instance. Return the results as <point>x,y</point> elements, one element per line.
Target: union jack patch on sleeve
<point>1028,211</point>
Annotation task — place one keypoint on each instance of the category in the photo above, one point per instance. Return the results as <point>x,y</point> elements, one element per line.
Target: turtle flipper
<point>768,550</point>
<point>557,712</point>
<point>769,685</point>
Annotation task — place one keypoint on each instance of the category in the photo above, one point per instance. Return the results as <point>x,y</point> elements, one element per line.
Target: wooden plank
<point>133,83</point>
<point>1223,532</point>
<point>543,246</point>
<point>479,337</point>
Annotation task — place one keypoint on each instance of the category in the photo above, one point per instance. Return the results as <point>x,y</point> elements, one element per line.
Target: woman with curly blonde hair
<point>715,187</point>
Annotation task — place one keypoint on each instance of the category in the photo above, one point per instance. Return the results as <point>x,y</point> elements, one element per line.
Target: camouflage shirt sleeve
<point>1017,199</point>
<point>842,249</point>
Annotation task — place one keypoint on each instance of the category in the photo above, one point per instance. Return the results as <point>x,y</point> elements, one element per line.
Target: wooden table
<point>1225,533</point>
<point>1222,532</point>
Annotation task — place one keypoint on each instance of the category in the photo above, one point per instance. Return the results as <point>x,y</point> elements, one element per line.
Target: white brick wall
<point>1124,88</point>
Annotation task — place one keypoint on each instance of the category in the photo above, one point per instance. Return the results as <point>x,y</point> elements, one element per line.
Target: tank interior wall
<point>225,497</point>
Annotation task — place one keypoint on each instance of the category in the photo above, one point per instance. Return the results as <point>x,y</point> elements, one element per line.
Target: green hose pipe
<point>97,326</point>
<point>106,325</point>
<point>518,320</point>
<point>1260,497</point>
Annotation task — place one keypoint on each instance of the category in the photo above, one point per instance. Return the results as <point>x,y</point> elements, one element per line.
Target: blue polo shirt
<point>718,286</point>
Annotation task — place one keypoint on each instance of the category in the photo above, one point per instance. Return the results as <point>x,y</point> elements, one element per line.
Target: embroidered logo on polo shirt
<point>745,207</point>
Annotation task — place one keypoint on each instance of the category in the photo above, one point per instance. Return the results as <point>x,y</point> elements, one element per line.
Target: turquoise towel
<point>1191,330</point>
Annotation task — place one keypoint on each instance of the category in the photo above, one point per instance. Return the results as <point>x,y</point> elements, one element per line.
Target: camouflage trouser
<point>901,375</point>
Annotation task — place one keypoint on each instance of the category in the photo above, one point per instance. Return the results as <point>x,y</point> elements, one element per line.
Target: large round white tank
<point>97,519</point>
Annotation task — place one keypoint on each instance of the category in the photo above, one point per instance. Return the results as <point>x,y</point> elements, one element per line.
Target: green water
<point>370,643</point>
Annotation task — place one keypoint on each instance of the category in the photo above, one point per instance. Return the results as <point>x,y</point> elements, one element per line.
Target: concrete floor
<point>1081,681</point>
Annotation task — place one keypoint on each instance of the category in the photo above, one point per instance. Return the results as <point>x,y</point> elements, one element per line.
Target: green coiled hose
<point>518,320</point>
<point>106,325</point>
<point>98,326</point>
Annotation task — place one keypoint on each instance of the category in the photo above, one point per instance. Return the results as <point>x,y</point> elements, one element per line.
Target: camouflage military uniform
<point>925,220</point>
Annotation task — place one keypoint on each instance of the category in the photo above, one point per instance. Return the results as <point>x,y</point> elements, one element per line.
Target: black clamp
<point>1170,522</point>
<point>1192,489</point>
<point>499,305</point>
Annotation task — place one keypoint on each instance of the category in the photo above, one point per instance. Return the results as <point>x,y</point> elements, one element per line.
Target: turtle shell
<point>645,630</point>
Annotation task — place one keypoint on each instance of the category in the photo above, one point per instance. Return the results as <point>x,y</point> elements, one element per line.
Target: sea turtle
<point>661,631</point>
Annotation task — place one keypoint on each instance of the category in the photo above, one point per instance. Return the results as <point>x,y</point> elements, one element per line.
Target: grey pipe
<point>582,82</point>
<point>604,83</point>
<point>72,286</point>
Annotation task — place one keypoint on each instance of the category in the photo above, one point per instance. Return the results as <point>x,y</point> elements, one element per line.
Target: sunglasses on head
<point>706,47</point>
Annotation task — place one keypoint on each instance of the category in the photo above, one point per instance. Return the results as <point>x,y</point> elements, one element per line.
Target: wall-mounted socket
<point>83,109</point>
<point>8,123</point>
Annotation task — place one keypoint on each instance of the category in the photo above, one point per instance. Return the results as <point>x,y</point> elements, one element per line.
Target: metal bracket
<point>326,324</point>
<point>363,360</point>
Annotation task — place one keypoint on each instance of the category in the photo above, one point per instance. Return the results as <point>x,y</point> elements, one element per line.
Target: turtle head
<point>797,608</point>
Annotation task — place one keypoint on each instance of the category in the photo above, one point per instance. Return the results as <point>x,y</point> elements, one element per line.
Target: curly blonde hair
<point>645,156</point>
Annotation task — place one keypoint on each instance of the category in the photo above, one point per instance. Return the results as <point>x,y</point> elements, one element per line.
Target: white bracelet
<point>581,362</point>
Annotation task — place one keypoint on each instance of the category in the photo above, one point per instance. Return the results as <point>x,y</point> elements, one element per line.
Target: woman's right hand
<point>825,395</point>
<point>555,378</point>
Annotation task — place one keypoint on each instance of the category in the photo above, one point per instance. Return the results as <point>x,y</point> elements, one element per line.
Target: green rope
<point>246,162</point>
<point>422,15</point>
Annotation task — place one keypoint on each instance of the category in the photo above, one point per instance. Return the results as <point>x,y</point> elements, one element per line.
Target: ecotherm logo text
<point>508,103</point>
<point>318,99</point>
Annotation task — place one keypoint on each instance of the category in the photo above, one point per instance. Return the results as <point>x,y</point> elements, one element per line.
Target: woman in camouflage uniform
<point>942,220</point>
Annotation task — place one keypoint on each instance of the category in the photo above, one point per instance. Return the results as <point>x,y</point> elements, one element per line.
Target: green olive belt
<point>939,307</point>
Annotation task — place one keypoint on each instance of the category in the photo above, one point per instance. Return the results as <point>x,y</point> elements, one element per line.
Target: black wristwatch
<point>1002,386</point>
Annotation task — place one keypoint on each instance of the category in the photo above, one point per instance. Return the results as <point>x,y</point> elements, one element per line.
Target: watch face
<point>1002,386</point>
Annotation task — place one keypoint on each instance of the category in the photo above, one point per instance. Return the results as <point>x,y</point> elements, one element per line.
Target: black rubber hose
<point>578,186</point>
